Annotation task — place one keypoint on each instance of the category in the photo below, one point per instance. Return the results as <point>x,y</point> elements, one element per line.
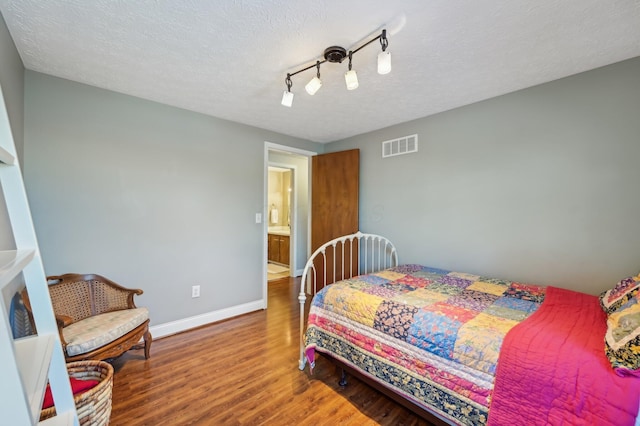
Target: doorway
<point>294,218</point>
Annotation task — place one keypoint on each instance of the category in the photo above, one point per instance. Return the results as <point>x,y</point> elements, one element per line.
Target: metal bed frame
<point>339,259</point>
<point>343,258</point>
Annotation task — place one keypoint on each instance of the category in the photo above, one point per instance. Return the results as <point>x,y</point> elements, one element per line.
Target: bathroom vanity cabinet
<point>279,249</point>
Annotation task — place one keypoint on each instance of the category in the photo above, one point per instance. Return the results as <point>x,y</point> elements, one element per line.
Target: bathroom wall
<point>279,196</point>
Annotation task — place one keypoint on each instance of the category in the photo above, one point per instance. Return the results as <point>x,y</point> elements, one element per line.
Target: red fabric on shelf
<point>77,386</point>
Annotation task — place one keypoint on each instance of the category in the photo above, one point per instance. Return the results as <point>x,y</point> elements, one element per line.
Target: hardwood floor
<point>278,276</point>
<point>243,371</point>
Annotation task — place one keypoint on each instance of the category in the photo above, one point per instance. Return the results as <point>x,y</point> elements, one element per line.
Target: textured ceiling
<point>229,58</point>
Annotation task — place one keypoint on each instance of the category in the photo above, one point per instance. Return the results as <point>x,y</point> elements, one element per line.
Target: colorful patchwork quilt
<point>433,335</point>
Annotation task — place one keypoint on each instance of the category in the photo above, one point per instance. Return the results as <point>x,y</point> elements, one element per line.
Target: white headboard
<point>339,259</point>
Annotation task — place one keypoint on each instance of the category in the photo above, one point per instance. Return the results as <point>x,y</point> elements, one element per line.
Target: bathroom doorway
<point>298,215</point>
<point>280,193</point>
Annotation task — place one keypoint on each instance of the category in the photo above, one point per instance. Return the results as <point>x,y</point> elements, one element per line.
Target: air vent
<point>404,145</point>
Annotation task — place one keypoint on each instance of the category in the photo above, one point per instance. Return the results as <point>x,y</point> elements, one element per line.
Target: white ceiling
<point>229,58</point>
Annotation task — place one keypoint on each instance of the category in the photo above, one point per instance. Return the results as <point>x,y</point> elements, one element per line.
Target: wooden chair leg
<point>147,344</point>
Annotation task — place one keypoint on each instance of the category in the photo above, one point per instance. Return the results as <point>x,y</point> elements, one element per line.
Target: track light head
<point>287,96</point>
<point>384,57</point>
<point>350,77</point>
<point>287,99</point>
<point>384,62</point>
<point>315,84</point>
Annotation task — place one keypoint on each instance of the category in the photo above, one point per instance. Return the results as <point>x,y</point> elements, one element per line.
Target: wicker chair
<point>97,318</point>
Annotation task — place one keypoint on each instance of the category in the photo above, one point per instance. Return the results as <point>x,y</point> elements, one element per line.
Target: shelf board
<point>12,262</point>
<point>6,157</point>
<point>63,419</point>
<point>33,355</point>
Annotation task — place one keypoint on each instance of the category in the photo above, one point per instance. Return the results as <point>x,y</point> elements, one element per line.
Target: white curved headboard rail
<point>339,259</point>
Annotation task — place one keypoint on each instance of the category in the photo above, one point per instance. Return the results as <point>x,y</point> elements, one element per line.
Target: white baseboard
<point>173,327</point>
<point>298,272</point>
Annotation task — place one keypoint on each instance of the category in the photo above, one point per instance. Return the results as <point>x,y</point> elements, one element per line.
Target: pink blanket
<point>553,370</point>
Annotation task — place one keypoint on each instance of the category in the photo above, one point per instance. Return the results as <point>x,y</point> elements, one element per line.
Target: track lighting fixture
<point>337,54</point>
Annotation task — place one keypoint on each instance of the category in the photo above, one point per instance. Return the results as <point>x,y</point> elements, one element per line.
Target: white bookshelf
<point>11,264</point>
<point>33,355</point>
<point>63,419</point>
<point>6,157</point>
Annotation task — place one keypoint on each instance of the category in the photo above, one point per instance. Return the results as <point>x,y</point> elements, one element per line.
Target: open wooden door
<point>335,182</point>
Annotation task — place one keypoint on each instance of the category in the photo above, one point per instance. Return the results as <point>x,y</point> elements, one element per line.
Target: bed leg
<point>343,377</point>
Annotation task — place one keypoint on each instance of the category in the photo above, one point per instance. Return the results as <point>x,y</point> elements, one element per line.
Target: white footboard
<point>342,258</point>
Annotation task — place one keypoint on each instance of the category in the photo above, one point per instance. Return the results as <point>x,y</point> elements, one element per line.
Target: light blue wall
<point>151,196</point>
<point>12,83</point>
<point>541,185</point>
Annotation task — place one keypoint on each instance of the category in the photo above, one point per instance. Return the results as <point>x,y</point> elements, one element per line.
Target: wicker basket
<point>94,405</point>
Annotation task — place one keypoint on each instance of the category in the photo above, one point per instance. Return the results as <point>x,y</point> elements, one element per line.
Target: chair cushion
<point>94,332</point>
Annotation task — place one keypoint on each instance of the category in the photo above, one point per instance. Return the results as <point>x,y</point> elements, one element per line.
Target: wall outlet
<point>195,291</point>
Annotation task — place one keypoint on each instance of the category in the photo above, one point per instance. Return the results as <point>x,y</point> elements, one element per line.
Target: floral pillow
<point>612,299</point>
<point>622,340</point>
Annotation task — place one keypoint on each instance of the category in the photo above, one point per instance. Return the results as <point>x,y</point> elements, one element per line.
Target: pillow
<point>622,339</point>
<point>612,299</point>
